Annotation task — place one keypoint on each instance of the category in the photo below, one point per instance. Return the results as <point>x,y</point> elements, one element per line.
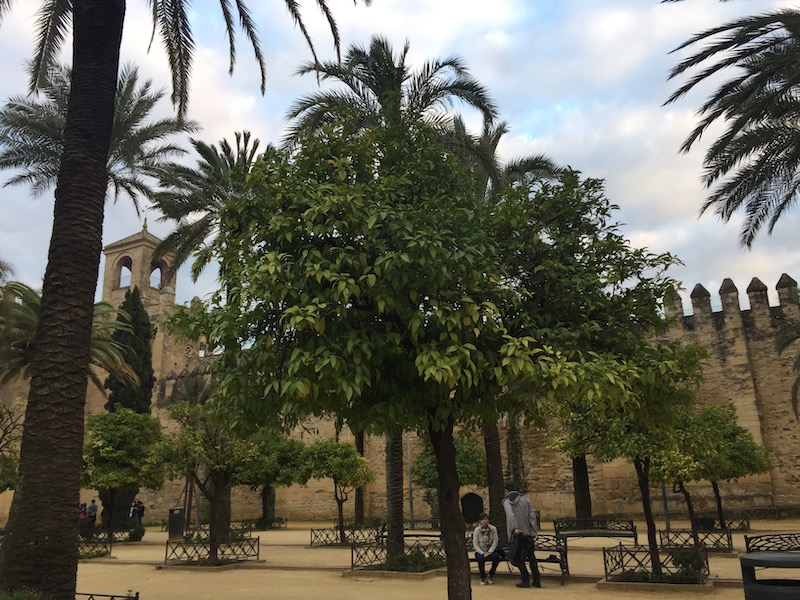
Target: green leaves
<point>120,451</point>
<point>340,462</point>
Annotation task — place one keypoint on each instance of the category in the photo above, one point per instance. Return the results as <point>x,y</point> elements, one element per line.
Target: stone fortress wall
<point>743,369</point>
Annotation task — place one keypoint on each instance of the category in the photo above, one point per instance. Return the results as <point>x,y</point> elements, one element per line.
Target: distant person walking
<point>91,512</point>
<point>139,511</point>
<point>522,529</point>
<point>484,541</point>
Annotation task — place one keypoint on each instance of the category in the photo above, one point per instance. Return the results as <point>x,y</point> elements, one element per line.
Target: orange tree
<point>361,289</point>
<point>662,390</point>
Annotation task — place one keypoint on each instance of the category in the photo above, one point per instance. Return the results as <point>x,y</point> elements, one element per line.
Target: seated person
<point>485,540</point>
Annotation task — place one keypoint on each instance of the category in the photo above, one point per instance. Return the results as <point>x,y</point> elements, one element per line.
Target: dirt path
<point>290,568</point>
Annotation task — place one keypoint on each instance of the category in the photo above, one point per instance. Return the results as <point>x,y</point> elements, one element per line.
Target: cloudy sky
<point>581,80</point>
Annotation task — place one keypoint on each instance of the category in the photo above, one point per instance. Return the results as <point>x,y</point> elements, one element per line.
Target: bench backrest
<point>570,524</point>
<point>773,542</point>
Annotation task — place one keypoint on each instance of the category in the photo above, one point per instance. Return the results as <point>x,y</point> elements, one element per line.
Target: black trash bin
<point>176,524</point>
<point>769,589</point>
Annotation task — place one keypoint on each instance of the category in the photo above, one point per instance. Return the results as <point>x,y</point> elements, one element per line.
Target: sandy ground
<point>291,568</point>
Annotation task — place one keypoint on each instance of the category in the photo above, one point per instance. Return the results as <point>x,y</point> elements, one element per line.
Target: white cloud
<point>583,81</point>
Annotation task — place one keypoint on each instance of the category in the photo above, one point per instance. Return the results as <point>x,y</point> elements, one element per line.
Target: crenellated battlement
<point>759,311</point>
<point>745,369</point>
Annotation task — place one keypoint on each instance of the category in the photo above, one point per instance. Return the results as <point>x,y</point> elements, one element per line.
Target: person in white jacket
<point>484,541</point>
<point>521,523</point>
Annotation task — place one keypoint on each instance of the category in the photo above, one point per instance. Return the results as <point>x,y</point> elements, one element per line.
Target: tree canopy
<point>369,290</point>
<point>470,463</point>
<point>119,451</point>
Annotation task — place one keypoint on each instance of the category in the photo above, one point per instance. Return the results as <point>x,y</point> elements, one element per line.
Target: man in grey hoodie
<point>521,522</point>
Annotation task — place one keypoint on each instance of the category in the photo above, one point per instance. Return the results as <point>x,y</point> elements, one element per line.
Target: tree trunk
<point>580,486</point>
<point>643,476</point>
<point>189,489</point>
<point>116,507</point>
<point>40,547</point>
<point>458,584</point>
<point>359,498</point>
<point>394,498</point>
<point>340,500</point>
<point>494,468</point>
<point>718,499</point>
<point>267,504</point>
<point>690,509</point>
<point>220,511</point>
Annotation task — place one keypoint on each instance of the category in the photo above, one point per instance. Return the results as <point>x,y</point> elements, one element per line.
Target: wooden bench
<point>613,528</point>
<point>773,542</point>
<point>548,549</point>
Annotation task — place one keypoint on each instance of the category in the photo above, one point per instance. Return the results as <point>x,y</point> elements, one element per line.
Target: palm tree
<point>194,197</point>
<point>18,321</point>
<point>479,154</point>
<point>33,135</point>
<point>20,312</point>
<point>381,90</point>
<point>754,165</point>
<point>39,550</point>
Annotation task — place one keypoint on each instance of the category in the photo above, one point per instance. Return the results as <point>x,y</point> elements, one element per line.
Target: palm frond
<point>32,134</point>
<point>754,165</point>
<point>379,89</point>
<point>20,311</point>
<point>178,43</point>
<point>193,197</point>
<point>53,21</point>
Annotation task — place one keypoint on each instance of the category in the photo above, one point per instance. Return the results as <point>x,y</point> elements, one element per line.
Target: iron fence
<point>714,540</point>
<point>375,554</point>
<point>199,551</point>
<point>676,564</point>
<point>332,536</point>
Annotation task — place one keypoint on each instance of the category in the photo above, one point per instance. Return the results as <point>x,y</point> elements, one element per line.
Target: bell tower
<point>130,263</point>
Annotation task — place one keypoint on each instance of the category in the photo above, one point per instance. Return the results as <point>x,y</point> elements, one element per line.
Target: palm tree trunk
<point>494,467</point>
<point>580,486</point>
<point>514,450</point>
<point>718,499</point>
<point>643,477</point>
<point>359,498</point>
<point>394,498</point>
<point>40,548</point>
<point>458,585</point>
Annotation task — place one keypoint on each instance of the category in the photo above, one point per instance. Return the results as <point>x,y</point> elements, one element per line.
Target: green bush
<point>20,596</point>
<point>415,561</point>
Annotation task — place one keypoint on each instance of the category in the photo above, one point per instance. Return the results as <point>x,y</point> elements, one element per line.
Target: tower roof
<point>143,237</point>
